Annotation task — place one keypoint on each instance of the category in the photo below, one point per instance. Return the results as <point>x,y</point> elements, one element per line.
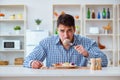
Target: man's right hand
<point>36,64</point>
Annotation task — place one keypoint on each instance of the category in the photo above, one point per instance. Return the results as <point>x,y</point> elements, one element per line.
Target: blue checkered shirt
<point>52,50</point>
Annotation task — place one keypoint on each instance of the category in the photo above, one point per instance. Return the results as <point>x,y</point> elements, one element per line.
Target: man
<point>54,50</point>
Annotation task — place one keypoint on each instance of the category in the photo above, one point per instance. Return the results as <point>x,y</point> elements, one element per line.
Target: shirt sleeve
<point>38,53</point>
<point>95,52</point>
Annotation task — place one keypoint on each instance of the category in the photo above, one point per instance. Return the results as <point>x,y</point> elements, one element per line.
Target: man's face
<point>65,32</point>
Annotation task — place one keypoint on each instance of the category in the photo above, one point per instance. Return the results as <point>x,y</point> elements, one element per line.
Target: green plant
<point>38,21</point>
<point>17,28</point>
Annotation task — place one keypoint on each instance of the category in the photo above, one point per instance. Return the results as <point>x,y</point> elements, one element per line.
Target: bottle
<point>88,13</point>
<point>104,13</point>
<point>93,14</point>
<point>108,13</point>
<point>98,16</point>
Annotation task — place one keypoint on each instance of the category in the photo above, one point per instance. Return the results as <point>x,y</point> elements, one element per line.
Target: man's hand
<point>36,64</point>
<point>81,50</point>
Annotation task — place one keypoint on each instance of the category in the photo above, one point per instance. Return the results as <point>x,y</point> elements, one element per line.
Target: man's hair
<point>66,19</point>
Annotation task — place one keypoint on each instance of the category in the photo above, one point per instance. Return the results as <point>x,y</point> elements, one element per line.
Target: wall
<point>43,9</point>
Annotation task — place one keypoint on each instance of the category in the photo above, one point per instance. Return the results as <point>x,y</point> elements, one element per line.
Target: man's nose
<point>65,34</point>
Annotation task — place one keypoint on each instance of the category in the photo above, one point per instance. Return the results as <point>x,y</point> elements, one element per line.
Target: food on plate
<point>66,64</point>
<point>57,64</point>
<point>72,63</point>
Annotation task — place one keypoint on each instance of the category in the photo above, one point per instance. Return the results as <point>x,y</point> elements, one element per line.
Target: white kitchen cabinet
<point>15,15</point>
<point>33,37</point>
<point>74,9</point>
<point>118,30</point>
<point>93,28</point>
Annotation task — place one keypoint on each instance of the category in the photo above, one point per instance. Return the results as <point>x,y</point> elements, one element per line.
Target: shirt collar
<point>75,40</point>
<point>57,41</point>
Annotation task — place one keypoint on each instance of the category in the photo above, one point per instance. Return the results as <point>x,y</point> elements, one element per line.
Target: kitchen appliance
<point>33,37</point>
<point>11,44</point>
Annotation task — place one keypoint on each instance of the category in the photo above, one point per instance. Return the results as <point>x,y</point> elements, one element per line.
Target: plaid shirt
<point>52,50</point>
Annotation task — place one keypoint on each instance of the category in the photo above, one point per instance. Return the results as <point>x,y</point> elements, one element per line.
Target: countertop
<point>22,71</point>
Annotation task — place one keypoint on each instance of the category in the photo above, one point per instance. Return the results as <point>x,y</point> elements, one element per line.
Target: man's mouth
<point>66,41</point>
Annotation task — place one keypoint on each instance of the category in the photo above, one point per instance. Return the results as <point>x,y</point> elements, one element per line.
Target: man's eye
<point>70,30</point>
<point>61,30</point>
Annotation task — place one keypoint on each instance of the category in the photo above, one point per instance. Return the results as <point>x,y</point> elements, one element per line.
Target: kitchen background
<point>43,9</point>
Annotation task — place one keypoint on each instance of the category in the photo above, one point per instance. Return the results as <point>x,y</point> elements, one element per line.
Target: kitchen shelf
<point>73,9</point>
<point>11,19</point>
<point>12,51</point>
<point>106,39</point>
<point>15,15</point>
<point>98,19</point>
<point>99,34</point>
<point>106,49</point>
<point>12,35</point>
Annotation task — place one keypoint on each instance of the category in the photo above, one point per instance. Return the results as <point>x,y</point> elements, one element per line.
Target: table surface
<point>19,71</point>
